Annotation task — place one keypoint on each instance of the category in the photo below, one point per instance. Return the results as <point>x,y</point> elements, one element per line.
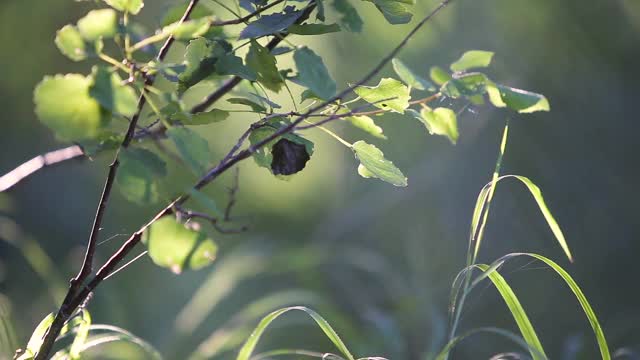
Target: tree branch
<point>51,158</point>
<point>87,265</point>
<point>72,302</point>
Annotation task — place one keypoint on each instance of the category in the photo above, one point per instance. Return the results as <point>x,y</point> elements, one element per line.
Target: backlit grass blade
<point>82,333</point>
<point>582,299</point>
<point>444,353</point>
<point>518,313</point>
<point>234,332</point>
<point>537,195</point>
<point>33,346</point>
<point>247,349</point>
<point>111,334</point>
<point>484,201</point>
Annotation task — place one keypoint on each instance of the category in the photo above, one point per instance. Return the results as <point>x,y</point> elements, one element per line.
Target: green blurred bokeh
<point>378,260</point>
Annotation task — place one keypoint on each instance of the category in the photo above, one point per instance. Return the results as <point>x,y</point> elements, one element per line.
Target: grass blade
<point>504,333</point>
<point>582,299</point>
<point>33,346</point>
<point>250,345</point>
<point>82,333</point>
<point>518,313</point>
<point>234,332</point>
<point>111,334</point>
<point>544,209</point>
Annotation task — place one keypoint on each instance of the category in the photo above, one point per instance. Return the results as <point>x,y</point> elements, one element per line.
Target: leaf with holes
<point>390,94</point>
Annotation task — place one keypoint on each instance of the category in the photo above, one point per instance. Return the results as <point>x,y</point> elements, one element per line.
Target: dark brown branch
<point>232,195</point>
<point>87,265</point>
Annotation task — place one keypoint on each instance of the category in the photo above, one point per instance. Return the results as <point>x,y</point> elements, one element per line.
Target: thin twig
<point>357,112</point>
<point>232,195</point>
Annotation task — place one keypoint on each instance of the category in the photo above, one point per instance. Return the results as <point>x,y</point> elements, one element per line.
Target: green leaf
<point>518,313</point>
<point>390,94</point>
<point>70,42</point>
<point>269,24</point>
<point>440,121</point>
<point>467,85</point>
<point>350,19</point>
<point>140,171</point>
<point>36,340</point>
<point>107,88</point>
<point>188,29</point>
<point>410,78</point>
<point>367,124</point>
<point>174,246</point>
<point>193,149</point>
<point>472,59</point>
<point>313,74</point>
<point>230,64</point>
<point>130,6</point>
<point>201,118</point>
<point>395,11</point>
<point>62,102</point>
<point>249,346</point>
<point>439,75</point>
<point>264,64</point>
<point>520,100</point>
<point>313,29</point>
<point>199,63</point>
<point>252,104</point>
<point>374,164</point>
<point>98,24</point>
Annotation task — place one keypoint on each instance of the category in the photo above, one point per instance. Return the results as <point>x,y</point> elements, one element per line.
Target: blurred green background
<point>376,261</point>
